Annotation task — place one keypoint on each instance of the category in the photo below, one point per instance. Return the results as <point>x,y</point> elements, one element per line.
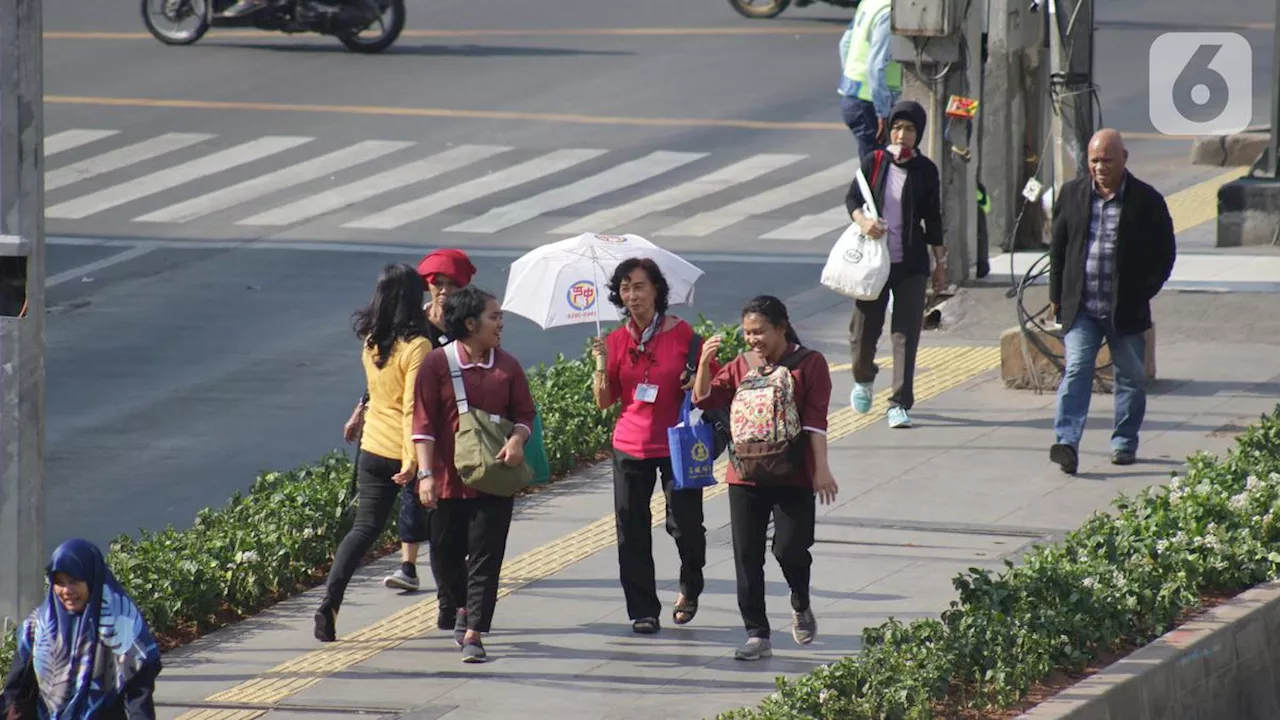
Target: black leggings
<point>376,493</point>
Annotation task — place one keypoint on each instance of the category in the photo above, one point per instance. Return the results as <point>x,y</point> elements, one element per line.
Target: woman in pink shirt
<point>643,365</point>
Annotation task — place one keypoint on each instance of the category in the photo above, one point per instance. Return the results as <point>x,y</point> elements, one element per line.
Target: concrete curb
<point>1239,150</point>
<point>1225,664</point>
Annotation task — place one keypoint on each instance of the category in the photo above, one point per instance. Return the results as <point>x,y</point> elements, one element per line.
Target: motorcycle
<point>183,22</point>
<point>762,9</point>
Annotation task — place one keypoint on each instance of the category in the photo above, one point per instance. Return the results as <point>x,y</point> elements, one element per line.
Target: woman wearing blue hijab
<point>86,653</point>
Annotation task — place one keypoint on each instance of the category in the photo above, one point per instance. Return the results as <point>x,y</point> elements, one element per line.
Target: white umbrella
<point>565,282</point>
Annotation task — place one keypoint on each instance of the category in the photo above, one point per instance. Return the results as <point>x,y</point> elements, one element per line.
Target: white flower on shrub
<point>1240,502</point>
<point>309,533</point>
<point>824,696</point>
<point>1252,482</point>
<point>1090,582</point>
<point>245,557</point>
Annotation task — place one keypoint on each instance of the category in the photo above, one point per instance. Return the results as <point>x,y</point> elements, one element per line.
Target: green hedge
<point>280,536</point>
<point>1119,581</point>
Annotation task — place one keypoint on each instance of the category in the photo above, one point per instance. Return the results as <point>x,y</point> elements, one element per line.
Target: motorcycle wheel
<point>392,23</point>
<point>760,9</point>
<point>164,19</point>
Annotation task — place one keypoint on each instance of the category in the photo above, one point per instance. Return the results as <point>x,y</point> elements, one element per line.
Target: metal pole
<point>1275,99</point>
<point>1057,66</point>
<point>22,309</point>
<point>999,164</point>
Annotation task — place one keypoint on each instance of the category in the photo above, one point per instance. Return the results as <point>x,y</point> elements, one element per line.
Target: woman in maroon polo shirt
<point>468,528</point>
<point>642,366</point>
<point>790,500</point>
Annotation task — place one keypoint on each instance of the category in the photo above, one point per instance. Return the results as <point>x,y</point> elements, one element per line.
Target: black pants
<point>908,319</point>
<point>468,543</point>
<point>793,510</point>
<point>633,481</point>
<point>376,496</point>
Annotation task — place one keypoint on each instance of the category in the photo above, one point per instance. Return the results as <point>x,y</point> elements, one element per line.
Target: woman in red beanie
<point>442,272</point>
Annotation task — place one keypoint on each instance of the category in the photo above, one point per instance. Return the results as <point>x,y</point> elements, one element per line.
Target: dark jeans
<point>468,543</point>
<point>794,512</point>
<point>633,482</point>
<point>861,118</point>
<point>867,324</point>
<point>414,522</point>
<point>376,496</point>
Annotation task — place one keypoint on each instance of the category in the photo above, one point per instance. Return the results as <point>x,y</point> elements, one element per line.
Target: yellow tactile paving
<point>1199,203</point>
<point>938,369</point>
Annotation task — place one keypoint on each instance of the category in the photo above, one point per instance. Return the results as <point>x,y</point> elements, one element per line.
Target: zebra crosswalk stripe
<point>375,185</point>
<point>72,139</point>
<point>161,180</point>
<point>722,179</point>
<point>423,207</point>
<point>306,171</point>
<point>812,227</point>
<point>121,158</point>
<point>586,200</point>
<point>607,181</point>
<point>779,197</point>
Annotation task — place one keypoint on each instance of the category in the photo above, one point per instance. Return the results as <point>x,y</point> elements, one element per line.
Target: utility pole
<point>22,309</point>
<point>1274,150</point>
<point>1071,83</point>
<point>932,41</point>
<point>999,135</point>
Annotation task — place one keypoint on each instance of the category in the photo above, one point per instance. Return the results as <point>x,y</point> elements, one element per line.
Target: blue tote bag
<point>692,448</point>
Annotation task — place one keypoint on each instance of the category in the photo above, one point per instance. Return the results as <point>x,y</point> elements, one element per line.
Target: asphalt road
<point>221,346</point>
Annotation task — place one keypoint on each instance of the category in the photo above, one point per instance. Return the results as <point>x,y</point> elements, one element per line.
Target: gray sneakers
<point>804,627</point>
<point>473,652</point>
<point>401,580</point>
<point>754,649</point>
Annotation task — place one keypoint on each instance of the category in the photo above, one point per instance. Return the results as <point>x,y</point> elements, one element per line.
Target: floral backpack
<point>764,422</point>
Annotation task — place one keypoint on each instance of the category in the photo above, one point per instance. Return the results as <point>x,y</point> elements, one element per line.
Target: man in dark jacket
<point>908,198</point>
<point>1113,249</point>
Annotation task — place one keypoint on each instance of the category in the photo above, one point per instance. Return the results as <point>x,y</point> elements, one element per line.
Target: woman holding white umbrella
<point>642,366</point>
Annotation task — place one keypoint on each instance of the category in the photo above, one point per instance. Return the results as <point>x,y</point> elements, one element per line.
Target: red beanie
<point>453,264</point>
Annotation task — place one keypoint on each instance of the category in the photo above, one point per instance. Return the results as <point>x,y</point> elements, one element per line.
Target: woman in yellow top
<point>396,339</point>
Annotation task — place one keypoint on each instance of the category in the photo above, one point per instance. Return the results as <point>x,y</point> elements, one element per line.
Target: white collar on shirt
<point>462,364</point>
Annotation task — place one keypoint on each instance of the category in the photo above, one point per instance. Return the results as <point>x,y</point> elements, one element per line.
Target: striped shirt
<point>1100,256</point>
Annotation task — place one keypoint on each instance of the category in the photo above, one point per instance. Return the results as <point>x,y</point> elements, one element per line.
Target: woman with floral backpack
<point>777,394</point>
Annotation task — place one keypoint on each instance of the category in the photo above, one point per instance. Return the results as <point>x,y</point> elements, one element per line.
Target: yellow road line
<point>391,111</point>
<point>1199,203</point>
<point>430,112</point>
<point>940,369</point>
<point>498,32</point>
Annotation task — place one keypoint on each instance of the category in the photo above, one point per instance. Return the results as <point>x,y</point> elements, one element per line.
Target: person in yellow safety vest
<point>872,83</point>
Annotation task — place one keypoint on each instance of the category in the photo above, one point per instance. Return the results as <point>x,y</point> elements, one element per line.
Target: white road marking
<point>169,178</point>
<point>76,273</point>
<point>423,207</point>
<point>120,158</point>
<point>375,185</point>
<point>722,179</point>
<point>701,225</point>
<point>615,178</point>
<point>271,182</point>
<point>811,227</point>
<point>71,139</point>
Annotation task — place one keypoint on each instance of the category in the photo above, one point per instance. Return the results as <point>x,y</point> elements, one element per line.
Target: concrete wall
<point>1223,666</point>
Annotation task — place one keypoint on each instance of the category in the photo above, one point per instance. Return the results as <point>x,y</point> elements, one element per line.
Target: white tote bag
<point>858,266</point>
